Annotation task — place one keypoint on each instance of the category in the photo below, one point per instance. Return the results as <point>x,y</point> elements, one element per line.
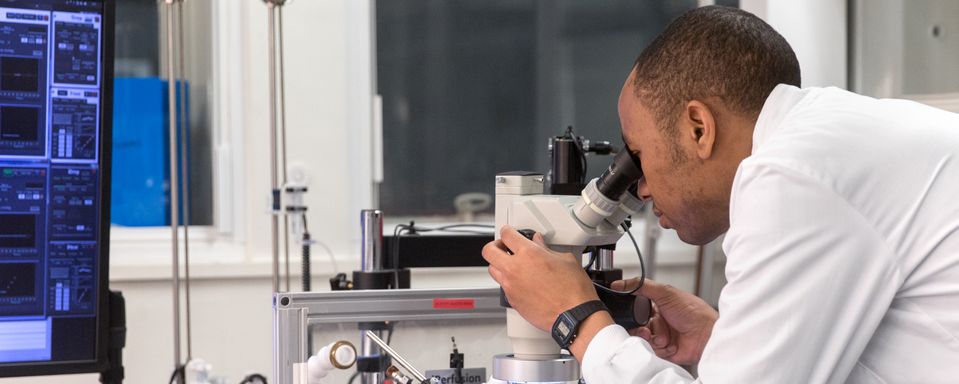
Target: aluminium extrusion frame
<point>293,313</point>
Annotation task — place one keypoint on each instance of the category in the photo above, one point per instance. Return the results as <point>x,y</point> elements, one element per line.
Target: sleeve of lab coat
<point>809,280</point>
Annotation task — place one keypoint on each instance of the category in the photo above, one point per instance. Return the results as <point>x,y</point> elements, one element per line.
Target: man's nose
<point>642,190</point>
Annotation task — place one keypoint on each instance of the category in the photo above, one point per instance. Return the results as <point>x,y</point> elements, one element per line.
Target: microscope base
<point>558,369</point>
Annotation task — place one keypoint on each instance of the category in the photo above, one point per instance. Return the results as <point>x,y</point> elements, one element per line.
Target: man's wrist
<point>588,329</point>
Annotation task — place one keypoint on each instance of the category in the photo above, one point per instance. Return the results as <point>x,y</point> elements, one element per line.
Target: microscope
<point>592,220</point>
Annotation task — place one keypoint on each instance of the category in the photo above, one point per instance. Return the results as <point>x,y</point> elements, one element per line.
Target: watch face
<point>563,329</point>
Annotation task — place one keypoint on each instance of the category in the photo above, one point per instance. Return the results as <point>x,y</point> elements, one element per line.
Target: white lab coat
<point>842,252</point>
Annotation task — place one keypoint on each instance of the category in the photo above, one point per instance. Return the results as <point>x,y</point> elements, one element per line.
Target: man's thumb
<point>650,288</point>
<point>655,291</point>
<point>625,285</point>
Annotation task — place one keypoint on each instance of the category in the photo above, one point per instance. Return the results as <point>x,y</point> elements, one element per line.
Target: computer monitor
<point>56,80</point>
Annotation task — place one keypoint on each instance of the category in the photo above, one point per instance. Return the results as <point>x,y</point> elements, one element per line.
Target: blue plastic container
<point>140,175</point>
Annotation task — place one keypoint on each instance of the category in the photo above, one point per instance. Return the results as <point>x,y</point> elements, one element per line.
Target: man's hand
<point>540,284</point>
<point>681,323</point>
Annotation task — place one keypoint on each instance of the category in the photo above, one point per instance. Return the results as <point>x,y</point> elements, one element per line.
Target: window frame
<point>146,246</point>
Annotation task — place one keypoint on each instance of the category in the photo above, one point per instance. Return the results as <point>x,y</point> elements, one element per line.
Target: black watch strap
<point>566,327</point>
<point>582,311</point>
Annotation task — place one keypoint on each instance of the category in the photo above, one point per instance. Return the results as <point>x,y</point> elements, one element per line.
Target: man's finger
<point>494,251</point>
<point>665,353</point>
<point>643,333</point>
<point>512,238</point>
<point>625,285</point>
<point>539,239</point>
<point>660,330</point>
<point>496,274</point>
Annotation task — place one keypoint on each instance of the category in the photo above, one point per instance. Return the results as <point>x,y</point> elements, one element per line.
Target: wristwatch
<point>566,327</point>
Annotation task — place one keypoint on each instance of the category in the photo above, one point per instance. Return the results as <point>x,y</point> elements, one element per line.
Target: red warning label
<point>454,304</point>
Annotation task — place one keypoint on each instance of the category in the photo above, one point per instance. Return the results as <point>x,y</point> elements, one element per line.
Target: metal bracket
<point>293,313</point>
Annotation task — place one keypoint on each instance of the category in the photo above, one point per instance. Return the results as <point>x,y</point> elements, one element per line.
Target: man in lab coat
<point>841,215</point>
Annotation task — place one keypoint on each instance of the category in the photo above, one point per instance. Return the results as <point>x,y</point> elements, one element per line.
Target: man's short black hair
<point>713,51</point>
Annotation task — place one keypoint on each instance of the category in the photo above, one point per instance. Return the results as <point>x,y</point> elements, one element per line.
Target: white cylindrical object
<point>336,355</point>
<point>604,260</point>
<point>371,243</point>
<point>529,342</point>
<point>592,207</point>
<point>629,205</point>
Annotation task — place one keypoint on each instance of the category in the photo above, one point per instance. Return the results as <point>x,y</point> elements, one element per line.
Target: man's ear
<point>701,127</point>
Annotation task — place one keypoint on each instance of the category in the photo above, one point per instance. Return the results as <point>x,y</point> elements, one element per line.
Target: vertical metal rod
<point>710,252</point>
<point>283,157</point>
<point>604,260</point>
<point>371,240</point>
<point>369,348</point>
<point>371,259</point>
<point>274,179</point>
<point>376,160</point>
<point>651,235</point>
<point>174,219</point>
<point>184,174</point>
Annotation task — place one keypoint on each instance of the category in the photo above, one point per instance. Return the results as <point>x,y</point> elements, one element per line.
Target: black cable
<point>395,251</point>
<point>468,231</point>
<point>592,260</point>
<point>411,228</point>
<point>476,225</point>
<point>400,229</point>
<point>353,377</point>
<point>389,333</point>
<point>582,151</point>
<point>249,379</point>
<point>305,262</point>
<point>642,264</point>
<point>642,269</point>
<point>180,372</point>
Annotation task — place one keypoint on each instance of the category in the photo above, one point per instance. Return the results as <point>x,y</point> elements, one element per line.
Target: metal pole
<point>283,157</point>
<point>185,174</point>
<point>371,240</point>
<point>396,356</point>
<point>174,220</point>
<point>375,159</point>
<point>274,179</point>
<point>652,233</point>
<point>371,259</point>
<point>710,252</point>
<point>604,260</point>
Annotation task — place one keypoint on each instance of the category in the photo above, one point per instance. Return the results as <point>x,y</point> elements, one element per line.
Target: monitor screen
<point>55,86</point>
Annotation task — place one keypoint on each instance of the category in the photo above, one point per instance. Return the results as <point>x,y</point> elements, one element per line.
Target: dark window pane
<point>473,88</point>
<point>137,47</point>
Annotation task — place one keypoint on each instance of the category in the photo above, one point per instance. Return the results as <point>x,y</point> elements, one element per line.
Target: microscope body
<point>567,224</point>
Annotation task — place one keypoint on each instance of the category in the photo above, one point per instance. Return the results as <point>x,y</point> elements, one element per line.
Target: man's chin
<point>692,238</point>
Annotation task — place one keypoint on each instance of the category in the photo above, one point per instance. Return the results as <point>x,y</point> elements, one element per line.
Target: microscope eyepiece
<point>605,197</point>
<point>622,173</point>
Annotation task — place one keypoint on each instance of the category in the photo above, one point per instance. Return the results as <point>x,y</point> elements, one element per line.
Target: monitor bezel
<point>100,362</point>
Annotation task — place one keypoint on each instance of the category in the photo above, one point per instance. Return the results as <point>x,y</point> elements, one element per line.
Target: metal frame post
<point>294,313</point>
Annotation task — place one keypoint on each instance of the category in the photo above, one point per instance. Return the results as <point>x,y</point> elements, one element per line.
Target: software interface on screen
<point>50,92</point>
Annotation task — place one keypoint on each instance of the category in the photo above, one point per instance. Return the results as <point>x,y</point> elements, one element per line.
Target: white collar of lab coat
<point>779,103</point>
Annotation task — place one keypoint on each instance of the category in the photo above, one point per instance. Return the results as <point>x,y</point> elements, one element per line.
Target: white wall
<point>327,54</point>
<point>816,30</point>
